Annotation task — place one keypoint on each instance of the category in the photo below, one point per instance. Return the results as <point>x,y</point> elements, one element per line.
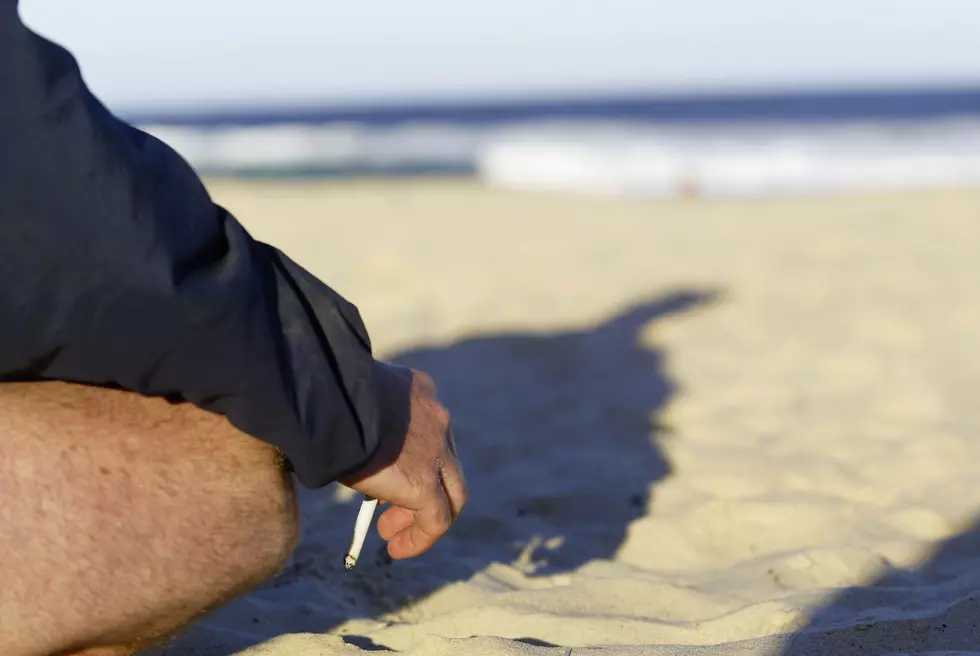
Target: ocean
<point>750,144</point>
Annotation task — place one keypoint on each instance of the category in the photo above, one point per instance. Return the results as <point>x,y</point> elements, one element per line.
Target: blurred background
<point>615,97</point>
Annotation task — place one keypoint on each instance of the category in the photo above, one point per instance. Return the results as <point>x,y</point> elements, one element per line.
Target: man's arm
<point>116,268</point>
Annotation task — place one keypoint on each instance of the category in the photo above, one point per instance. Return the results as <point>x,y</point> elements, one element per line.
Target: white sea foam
<point>739,160</point>
<point>610,158</point>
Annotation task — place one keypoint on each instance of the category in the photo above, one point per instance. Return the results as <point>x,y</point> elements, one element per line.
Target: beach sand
<point>689,427</point>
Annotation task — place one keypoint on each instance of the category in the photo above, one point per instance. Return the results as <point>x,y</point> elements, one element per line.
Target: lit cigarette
<point>361,527</point>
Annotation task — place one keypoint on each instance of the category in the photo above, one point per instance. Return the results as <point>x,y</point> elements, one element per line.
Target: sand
<point>691,427</point>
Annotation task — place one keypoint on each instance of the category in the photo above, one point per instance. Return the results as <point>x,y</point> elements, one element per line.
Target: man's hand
<point>415,467</point>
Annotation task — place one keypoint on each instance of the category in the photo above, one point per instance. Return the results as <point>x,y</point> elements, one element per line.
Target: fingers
<point>393,521</point>
<point>430,524</point>
<point>413,533</point>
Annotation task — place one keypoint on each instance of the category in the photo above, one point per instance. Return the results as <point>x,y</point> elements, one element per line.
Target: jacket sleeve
<point>117,269</point>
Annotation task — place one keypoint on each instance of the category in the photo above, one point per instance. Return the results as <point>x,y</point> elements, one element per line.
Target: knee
<point>271,531</point>
<point>241,502</point>
<point>283,522</point>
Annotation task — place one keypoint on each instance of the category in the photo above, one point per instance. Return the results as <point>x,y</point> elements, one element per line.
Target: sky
<point>139,54</point>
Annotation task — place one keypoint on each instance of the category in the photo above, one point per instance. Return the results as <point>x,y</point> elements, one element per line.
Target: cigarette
<point>361,527</point>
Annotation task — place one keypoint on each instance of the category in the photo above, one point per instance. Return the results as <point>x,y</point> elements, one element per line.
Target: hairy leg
<point>123,518</point>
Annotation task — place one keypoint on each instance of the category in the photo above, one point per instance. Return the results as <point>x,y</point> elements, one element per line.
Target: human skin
<point>123,517</point>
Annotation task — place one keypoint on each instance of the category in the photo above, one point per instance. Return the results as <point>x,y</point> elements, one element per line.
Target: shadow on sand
<point>559,435</point>
<point>934,608</point>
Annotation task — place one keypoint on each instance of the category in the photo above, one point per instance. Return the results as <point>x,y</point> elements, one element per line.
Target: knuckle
<point>424,381</point>
<point>441,415</point>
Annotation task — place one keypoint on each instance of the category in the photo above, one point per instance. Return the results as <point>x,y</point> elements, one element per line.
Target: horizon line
<point>708,105</point>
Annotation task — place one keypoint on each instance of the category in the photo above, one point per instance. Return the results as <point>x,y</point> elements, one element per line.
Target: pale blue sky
<point>146,52</point>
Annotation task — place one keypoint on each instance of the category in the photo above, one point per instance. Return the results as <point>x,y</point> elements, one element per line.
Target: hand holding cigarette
<point>414,468</point>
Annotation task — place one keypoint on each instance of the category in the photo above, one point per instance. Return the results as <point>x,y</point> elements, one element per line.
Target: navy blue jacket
<point>117,269</point>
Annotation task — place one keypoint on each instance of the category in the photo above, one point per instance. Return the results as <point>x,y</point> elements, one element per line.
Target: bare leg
<point>123,518</point>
